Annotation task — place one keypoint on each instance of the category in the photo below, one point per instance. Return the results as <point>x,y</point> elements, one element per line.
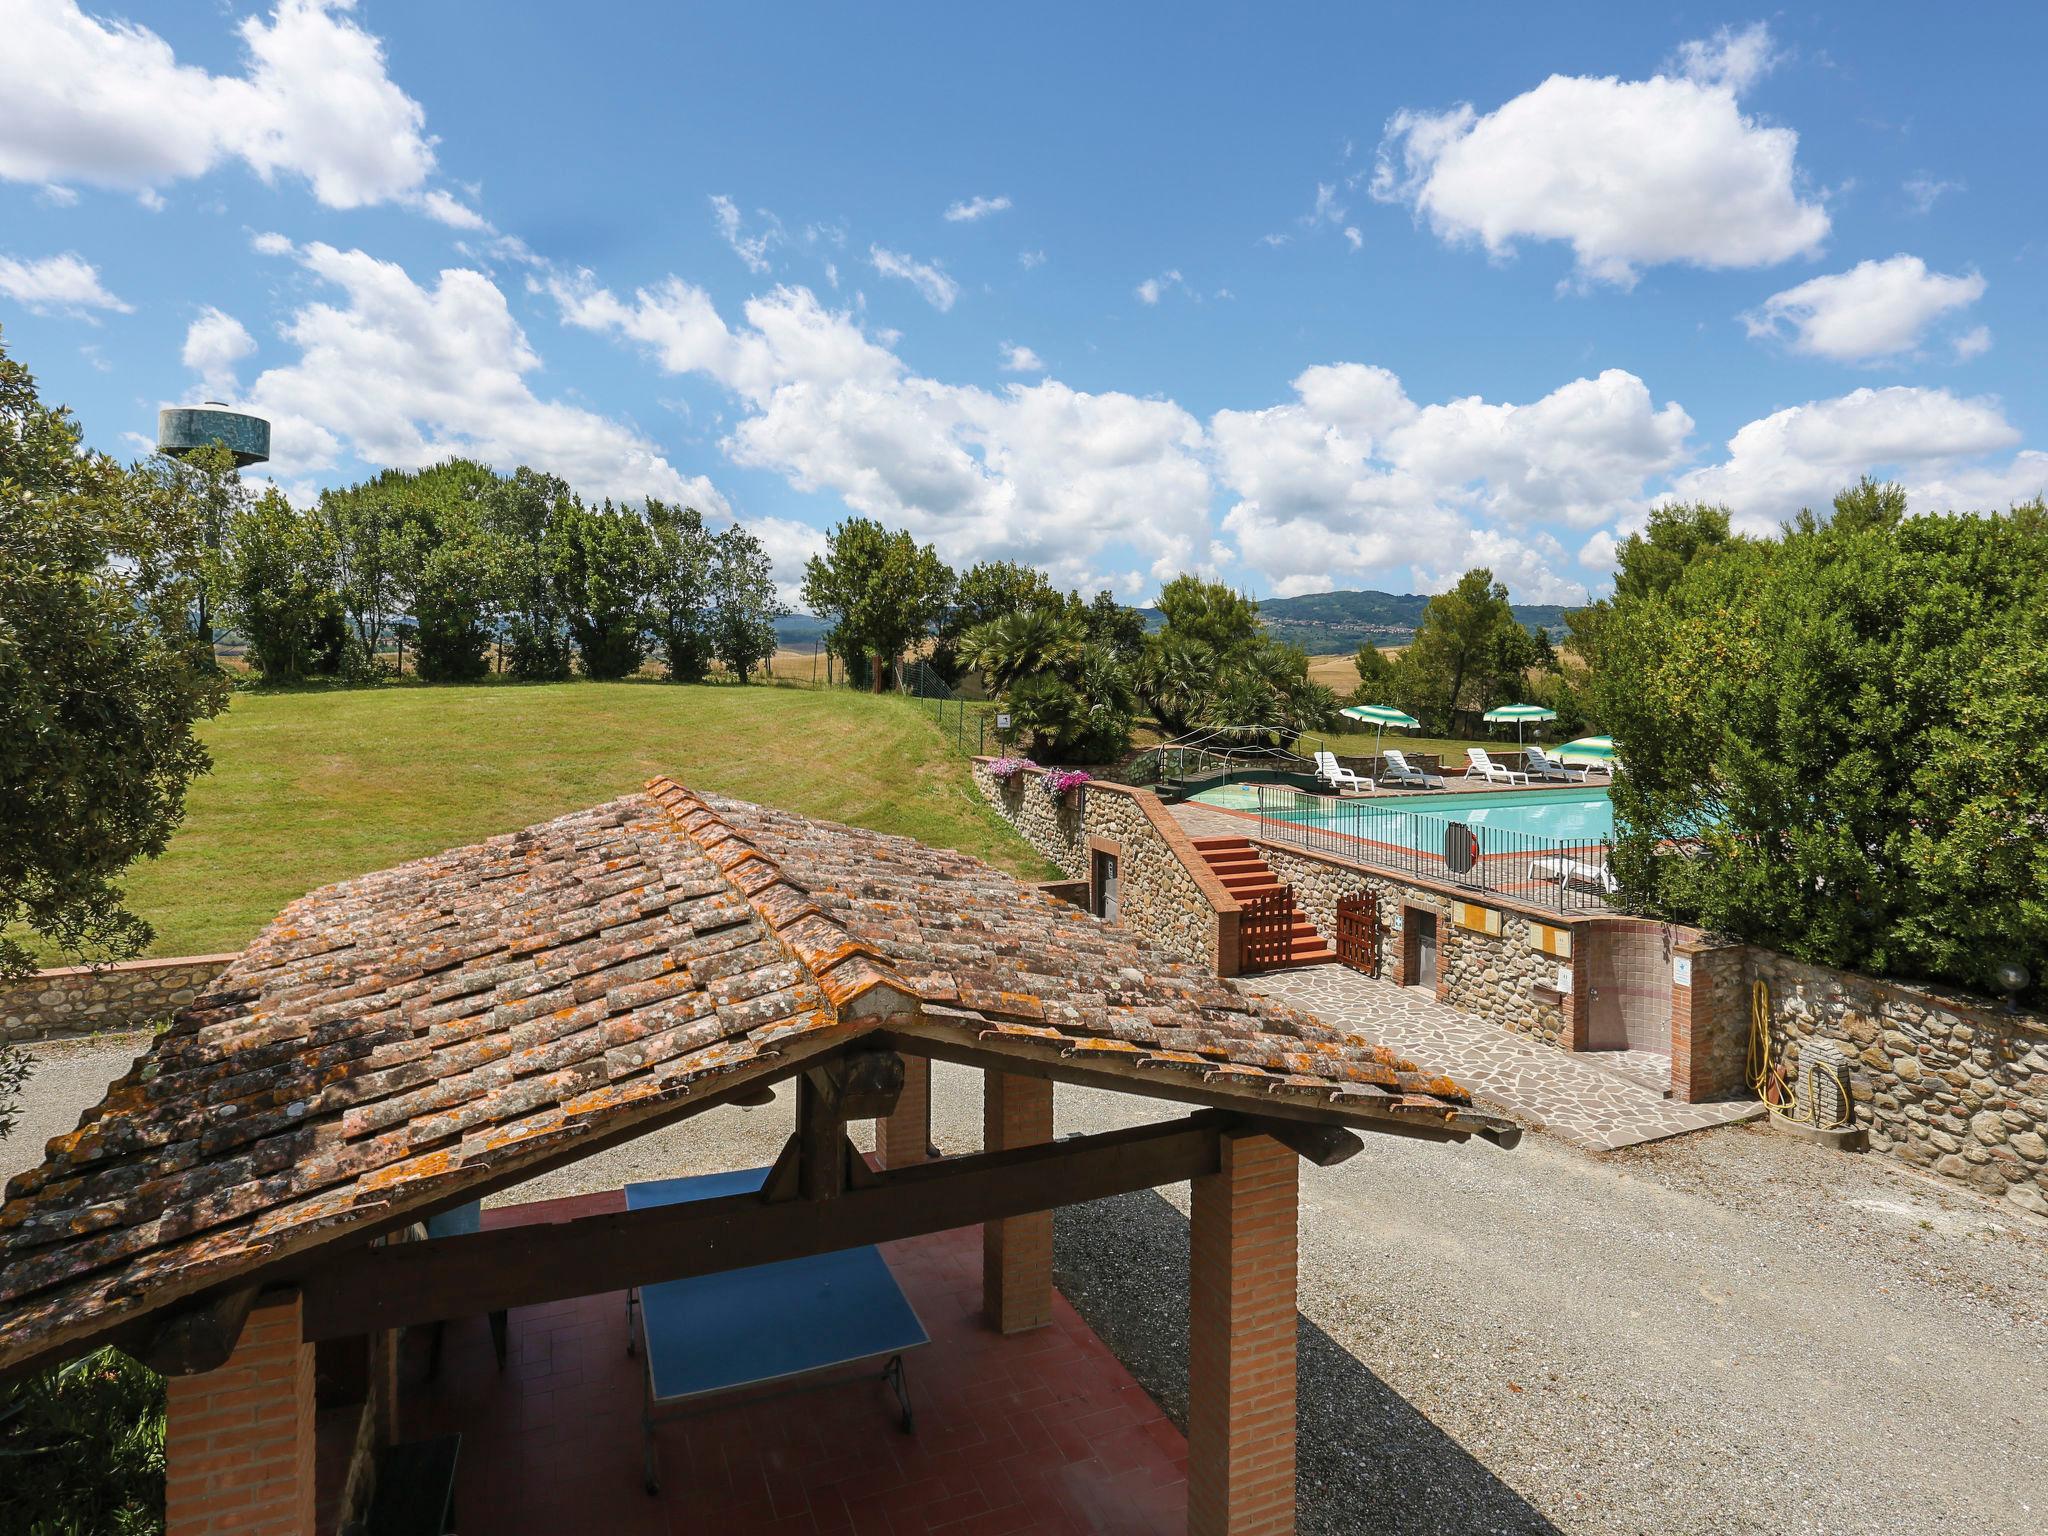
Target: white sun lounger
<point>1576,872</point>
<point>1479,766</point>
<point>1398,771</point>
<point>1543,765</point>
<point>1336,775</point>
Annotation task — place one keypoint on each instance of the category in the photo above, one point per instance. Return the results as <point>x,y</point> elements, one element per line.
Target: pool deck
<point>1601,1101</point>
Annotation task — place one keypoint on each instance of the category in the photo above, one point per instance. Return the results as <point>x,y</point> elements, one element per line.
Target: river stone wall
<point>1945,1082</point>
<point>1164,891</point>
<point>76,1000</point>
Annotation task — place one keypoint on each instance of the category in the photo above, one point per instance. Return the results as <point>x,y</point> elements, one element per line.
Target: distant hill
<point>799,629</point>
<point>1321,623</point>
<point>1332,623</point>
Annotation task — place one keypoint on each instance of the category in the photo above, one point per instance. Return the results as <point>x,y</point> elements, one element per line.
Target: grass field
<point>309,788</point>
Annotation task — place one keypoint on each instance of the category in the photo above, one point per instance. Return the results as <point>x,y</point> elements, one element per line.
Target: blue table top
<point>745,1327</point>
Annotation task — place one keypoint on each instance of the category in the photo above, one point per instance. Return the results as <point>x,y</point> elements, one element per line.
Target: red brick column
<point>905,1137</point>
<point>1016,1254</point>
<point>1241,1320</point>
<point>238,1441</point>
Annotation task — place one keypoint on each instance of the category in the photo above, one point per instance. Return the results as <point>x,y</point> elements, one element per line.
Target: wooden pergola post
<point>1016,1252</point>
<point>1241,1352</point>
<point>904,1136</point>
<point>238,1440</point>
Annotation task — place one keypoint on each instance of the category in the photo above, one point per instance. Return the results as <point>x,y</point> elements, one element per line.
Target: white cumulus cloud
<point>1629,173</point>
<point>974,208</point>
<point>66,284</point>
<point>214,343</point>
<point>1354,483</point>
<point>107,102</point>
<point>927,277</point>
<point>1038,472</point>
<point>1153,289</point>
<point>1801,456</point>
<point>1876,309</point>
<point>1021,359</point>
<point>404,373</point>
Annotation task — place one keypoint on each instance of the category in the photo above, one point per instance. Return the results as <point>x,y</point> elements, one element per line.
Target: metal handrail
<point>1561,872</point>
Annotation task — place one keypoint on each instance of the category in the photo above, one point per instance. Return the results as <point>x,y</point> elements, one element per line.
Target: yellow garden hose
<point>1767,1075</point>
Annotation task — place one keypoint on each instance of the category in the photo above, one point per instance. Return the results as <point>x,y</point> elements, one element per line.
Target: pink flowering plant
<point>1004,769</point>
<point>1059,780</point>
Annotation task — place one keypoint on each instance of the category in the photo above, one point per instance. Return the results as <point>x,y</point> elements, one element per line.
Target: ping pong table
<point>773,1323</point>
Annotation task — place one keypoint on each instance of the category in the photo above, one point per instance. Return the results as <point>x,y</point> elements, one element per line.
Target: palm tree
<point>1176,677</point>
<point>1021,643</point>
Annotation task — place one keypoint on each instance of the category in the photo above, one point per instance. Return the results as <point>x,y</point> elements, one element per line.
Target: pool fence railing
<point>1565,873</point>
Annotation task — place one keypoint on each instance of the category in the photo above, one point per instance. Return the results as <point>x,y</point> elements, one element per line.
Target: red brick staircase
<point>1275,932</point>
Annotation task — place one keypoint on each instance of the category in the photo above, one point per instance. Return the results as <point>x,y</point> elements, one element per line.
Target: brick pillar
<point>238,1441</point>
<point>1241,1320</point>
<point>1016,1254</point>
<point>905,1137</point>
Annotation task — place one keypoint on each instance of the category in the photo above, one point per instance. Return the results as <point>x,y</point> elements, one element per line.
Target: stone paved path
<point>1592,1106</point>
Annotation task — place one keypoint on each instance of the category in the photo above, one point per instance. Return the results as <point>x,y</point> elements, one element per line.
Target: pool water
<point>1582,814</point>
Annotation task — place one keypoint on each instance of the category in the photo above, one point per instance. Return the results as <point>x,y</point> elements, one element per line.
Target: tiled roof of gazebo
<point>396,1039</point>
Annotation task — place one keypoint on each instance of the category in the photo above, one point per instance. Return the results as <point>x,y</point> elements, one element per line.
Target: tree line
<point>1072,674</point>
<point>477,569</point>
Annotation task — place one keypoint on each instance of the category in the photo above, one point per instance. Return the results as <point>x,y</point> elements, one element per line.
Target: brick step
<point>1207,843</point>
<point>1252,881</point>
<point>1309,957</point>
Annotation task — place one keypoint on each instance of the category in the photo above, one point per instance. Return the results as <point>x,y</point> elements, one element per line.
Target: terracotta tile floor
<point>1042,1431</point>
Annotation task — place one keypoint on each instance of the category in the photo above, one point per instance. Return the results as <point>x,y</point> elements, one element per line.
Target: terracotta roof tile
<point>394,1039</point>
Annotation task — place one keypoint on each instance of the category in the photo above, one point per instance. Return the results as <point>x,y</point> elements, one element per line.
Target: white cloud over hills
<point>1929,439</point>
<point>1038,471</point>
<point>401,373</point>
<point>107,103</point>
<point>1629,173</point>
<point>1350,482</point>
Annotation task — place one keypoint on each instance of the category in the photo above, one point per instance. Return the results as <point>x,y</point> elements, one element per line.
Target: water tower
<point>183,429</point>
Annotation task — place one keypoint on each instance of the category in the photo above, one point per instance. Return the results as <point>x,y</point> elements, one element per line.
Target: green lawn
<point>309,788</point>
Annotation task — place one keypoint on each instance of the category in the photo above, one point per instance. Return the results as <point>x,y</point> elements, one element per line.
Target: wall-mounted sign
<point>1478,919</point>
<point>1564,978</point>
<point>1002,722</point>
<point>1681,970</point>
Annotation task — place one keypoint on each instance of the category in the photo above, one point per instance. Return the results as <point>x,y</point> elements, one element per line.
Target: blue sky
<point>1302,297</point>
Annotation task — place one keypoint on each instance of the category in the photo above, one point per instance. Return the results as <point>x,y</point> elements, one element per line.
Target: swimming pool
<point>1581,814</point>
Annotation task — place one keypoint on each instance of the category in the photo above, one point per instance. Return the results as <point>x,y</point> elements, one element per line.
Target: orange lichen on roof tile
<point>395,1039</point>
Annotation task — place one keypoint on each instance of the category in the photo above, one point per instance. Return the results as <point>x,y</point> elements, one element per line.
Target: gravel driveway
<point>1730,1332</point>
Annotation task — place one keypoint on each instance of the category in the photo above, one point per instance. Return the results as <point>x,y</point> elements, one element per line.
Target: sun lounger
<point>1543,765</point>
<point>1577,873</point>
<point>1479,766</point>
<point>1336,775</point>
<point>1397,771</point>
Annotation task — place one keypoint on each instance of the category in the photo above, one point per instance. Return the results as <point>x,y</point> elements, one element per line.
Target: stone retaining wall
<point>78,1000</point>
<point>1949,1083</point>
<point>1505,979</point>
<point>1164,890</point>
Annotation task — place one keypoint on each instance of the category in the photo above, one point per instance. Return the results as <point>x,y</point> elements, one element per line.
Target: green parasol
<point>1381,715</point>
<point>1597,751</point>
<point>1521,714</point>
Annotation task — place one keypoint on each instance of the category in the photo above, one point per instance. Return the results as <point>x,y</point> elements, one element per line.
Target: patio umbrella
<point>1595,750</point>
<point>1521,714</point>
<point>1382,716</point>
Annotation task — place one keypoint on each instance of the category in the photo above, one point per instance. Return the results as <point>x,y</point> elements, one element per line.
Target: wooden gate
<point>1358,932</point>
<point>1265,932</point>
